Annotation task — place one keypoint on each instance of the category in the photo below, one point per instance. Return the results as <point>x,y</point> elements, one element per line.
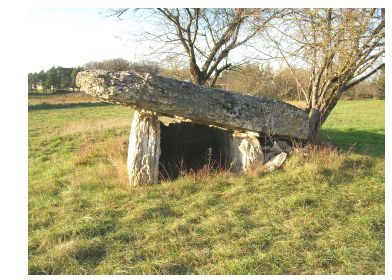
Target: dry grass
<point>77,97</point>
<point>299,104</point>
<point>110,154</point>
<point>93,125</point>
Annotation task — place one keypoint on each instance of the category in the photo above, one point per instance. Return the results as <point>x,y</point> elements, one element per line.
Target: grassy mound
<point>323,213</point>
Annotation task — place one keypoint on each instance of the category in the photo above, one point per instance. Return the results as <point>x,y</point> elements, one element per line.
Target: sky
<point>72,37</point>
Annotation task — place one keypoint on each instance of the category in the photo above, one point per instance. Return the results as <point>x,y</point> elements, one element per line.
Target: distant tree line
<point>120,64</point>
<point>56,79</point>
<point>252,79</point>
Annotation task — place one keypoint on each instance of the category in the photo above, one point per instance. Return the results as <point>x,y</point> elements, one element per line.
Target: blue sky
<point>70,37</point>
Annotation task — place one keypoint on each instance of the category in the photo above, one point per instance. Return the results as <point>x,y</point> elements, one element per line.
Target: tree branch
<point>352,83</point>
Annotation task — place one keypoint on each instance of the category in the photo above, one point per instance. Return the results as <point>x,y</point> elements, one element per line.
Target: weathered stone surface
<point>203,105</point>
<point>245,152</point>
<point>281,146</point>
<point>144,149</point>
<point>275,162</point>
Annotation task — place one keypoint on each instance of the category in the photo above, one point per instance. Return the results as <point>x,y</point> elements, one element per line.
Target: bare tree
<point>287,87</point>
<point>206,36</point>
<point>379,83</point>
<point>115,64</point>
<point>339,47</point>
<point>251,79</point>
<point>175,68</point>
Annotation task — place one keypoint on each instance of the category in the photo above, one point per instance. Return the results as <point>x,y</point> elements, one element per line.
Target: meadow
<point>322,213</point>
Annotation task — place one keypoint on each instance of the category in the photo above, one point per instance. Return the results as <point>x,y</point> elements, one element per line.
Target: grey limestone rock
<point>275,162</point>
<point>200,104</point>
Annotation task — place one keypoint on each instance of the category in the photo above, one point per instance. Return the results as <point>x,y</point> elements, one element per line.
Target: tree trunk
<point>144,149</point>
<point>318,117</point>
<point>199,78</point>
<point>315,123</point>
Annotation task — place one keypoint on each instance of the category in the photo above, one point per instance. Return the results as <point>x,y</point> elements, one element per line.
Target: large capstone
<point>200,104</point>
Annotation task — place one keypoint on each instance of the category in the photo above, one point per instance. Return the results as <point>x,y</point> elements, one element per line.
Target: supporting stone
<point>275,162</point>
<point>144,149</point>
<point>245,152</point>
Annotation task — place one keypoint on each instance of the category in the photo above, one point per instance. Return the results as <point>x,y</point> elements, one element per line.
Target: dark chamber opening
<point>190,146</point>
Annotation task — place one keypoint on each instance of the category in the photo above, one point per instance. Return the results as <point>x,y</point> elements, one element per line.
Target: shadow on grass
<point>90,254</point>
<point>362,142</point>
<point>47,106</point>
<point>342,175</point>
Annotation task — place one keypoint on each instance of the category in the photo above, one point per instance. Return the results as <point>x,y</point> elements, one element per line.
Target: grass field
<point>323,213</point>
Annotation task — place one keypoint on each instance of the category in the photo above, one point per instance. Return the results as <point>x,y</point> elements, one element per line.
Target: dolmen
<point>178,125</point>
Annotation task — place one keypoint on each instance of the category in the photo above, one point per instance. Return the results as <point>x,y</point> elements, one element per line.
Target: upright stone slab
<point>245,152</point>
<point>144,149</point>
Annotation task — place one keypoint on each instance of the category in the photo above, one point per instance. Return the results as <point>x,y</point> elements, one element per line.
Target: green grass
<point>323,213</point>
<point>359,126</point>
